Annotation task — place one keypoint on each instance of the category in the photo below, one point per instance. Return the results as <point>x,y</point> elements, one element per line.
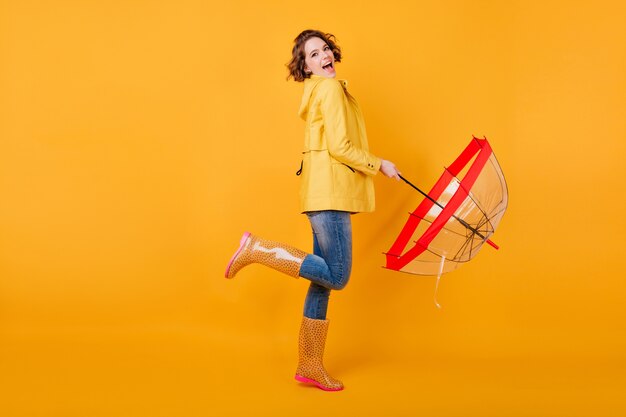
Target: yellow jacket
<point>337,168</point>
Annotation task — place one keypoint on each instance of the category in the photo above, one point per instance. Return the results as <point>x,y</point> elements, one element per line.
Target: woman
<point>337,171</point>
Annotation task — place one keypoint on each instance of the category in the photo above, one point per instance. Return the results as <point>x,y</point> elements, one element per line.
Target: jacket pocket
<point>345,180</point>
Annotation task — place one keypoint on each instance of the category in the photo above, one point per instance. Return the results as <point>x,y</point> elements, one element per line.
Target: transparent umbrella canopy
<point>455,218</point>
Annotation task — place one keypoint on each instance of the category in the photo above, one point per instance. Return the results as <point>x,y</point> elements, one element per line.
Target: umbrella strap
<point>443,258</point>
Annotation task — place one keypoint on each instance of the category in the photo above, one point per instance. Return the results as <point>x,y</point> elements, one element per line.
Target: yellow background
<point>139,139</point>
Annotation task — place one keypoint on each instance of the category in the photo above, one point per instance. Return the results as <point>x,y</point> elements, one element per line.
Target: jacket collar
<point>309,85</point>
<point>319,77</point>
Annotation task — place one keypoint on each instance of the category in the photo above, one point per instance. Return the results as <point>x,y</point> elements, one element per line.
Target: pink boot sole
<point>317,384</point>
<point>245,237</point>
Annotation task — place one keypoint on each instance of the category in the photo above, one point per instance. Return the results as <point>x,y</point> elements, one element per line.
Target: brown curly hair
<point>297,64</point>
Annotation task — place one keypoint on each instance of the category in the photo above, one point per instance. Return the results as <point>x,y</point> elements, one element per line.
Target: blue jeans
<point>328,268</point>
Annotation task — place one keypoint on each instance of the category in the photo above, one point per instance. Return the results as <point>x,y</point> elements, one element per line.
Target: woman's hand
<point>389,169</point>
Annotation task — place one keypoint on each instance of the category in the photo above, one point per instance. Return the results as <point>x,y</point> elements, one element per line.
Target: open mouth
<point>328,67</point>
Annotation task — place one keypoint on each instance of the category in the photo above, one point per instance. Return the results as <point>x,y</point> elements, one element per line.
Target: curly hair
<point>297,64</point>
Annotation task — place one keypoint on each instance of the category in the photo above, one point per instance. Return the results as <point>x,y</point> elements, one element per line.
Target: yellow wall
<point>139,139</point>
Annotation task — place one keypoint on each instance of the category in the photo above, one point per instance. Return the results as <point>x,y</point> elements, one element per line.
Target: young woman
<point>337,171</point>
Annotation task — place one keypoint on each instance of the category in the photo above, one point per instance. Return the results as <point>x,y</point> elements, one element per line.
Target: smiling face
<point>319,58</point>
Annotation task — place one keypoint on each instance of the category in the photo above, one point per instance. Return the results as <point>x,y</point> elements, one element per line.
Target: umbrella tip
<point>496,247</point>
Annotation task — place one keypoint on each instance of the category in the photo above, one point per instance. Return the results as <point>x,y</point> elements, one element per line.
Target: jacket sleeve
<point>333,108</point>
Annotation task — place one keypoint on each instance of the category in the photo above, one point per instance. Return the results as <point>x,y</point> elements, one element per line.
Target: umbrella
<point>455,218</point>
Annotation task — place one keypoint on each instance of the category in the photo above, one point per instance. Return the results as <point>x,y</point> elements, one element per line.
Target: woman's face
<point>319,58</point>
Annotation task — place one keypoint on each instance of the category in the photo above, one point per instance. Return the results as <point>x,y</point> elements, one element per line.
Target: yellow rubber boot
<point>311,348</point>
<point>278,256</point>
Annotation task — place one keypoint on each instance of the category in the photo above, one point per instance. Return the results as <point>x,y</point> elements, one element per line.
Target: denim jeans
<point>328,268</point>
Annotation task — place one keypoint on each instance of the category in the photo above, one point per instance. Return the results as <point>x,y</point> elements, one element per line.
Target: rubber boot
<point>278,256</point>
<point>311,349</point>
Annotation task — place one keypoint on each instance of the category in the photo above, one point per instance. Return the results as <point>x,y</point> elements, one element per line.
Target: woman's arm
<point>340,147</point>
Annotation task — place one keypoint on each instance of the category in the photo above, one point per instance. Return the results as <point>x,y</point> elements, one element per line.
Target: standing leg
<point>332,260</point>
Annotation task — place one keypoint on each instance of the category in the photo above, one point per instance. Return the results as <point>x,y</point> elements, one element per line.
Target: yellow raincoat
<point>337,168</point>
